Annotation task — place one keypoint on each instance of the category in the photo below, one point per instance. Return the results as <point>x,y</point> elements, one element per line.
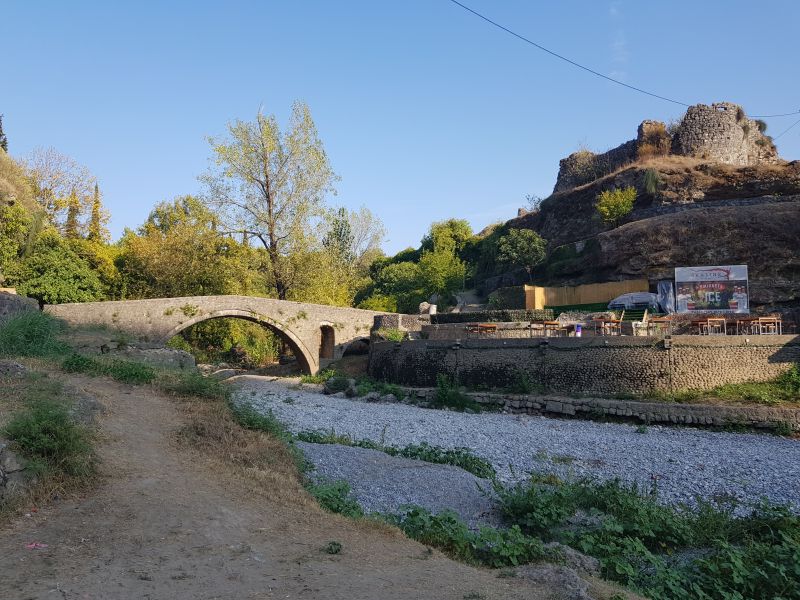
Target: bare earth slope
<point>170,523</point>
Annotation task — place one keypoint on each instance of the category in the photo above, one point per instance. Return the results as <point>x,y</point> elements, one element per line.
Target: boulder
<point>10,368</point>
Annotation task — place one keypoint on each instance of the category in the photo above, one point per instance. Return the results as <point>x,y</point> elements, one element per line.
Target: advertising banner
<point>718,289</point>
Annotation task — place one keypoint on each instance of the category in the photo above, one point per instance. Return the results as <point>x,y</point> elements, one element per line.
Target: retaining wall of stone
<point>603,366</point>
<point>705,415</point>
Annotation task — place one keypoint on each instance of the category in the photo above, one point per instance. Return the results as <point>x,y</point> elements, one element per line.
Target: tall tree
<point>270,185</point>
<point>71,225</point>
<point>55,178</point>
<point>3,138</point>
<point>98,219</point>
<point>339,239</point>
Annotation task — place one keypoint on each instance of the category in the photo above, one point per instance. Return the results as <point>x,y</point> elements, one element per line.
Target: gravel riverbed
<point>684,463</point>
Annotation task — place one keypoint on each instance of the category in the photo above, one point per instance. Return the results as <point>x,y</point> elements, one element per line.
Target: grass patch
<point>46,435</point>
<point>458,457</point>
<point>365,385</point>
<point>193,384</point>
<point>31,334</point>
<point>250,418</point>
<point>120,370</point>
<point>665,552</point>
<point>392,334</point>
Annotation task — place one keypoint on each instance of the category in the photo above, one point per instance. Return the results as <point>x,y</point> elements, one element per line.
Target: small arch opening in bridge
<point>327,342</point>
<point>242,340</point>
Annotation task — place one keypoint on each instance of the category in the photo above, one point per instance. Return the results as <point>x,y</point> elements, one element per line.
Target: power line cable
<point>786,130</point>
<point>587,69</point>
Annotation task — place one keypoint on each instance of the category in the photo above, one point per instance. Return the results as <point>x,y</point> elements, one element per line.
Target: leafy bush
<point>522,384</point>
<point>31,334</point>
<point>337,383</point>
<point>493,316</point>
<point>521,248</point>
<point>335,497</point>
<point>47,434</point>
<point>365,385</point>
<point>615,204</point>
<point>489,546</point>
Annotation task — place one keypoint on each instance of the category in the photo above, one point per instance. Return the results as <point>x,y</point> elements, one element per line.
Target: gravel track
<point>684,462</point>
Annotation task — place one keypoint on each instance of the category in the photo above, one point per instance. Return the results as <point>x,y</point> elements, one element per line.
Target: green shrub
<point>31,334</point>
<point>489,546</point>
<point>458,457</point>
<point>46,434</point>
<point>335,497</point>
<point>522,384</point>
<point>320,377</point>
<point>193,384</point>
<point>614,204</point>
<point>337,383</point>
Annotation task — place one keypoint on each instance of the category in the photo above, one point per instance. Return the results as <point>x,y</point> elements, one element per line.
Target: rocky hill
<point>728,202</point>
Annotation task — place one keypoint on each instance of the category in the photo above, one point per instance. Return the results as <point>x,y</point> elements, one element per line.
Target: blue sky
<point>426,112</point>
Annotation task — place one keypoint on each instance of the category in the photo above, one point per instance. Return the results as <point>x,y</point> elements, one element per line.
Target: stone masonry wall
<point>599,366</point>
<point>722,133</point>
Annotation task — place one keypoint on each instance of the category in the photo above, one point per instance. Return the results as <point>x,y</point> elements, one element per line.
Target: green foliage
<point>521,248</point>
<point>337,383</point>
<point>522,384</point>
<point>635,538</point>
<point>120,370</point>
<point>451,235</point>
<point>614,204</point>
<point>489,546</point>
<point>762,125</point>
<point>46,433</point>
<point>231,340</point>
<point>333,547</point>
<point>379,302</point>
<point>493,316</point>
<point>392,334</point>
<point>320,377</point>
<point>54,274</point>
<point>31,334</point>
<point>449,395</point>
<point>335,497</point>
<point>366,384</point>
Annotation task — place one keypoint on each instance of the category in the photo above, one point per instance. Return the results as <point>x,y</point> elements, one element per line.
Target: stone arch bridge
<point>315,333</point>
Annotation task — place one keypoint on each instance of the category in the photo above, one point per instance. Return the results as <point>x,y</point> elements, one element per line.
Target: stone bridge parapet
<point>316,333</point>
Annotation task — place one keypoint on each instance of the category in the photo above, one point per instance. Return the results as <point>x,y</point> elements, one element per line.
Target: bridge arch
<point>309,363</point>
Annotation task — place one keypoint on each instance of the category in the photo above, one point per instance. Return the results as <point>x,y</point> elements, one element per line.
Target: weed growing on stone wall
<point>392,334</point>
<point>523,384</point>
<point>449,395</point>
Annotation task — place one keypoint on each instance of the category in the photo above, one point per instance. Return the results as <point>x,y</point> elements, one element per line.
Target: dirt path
<point>169,523</point>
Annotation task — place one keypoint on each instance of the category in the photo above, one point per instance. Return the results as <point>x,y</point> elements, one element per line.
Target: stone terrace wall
<point>599,366</point>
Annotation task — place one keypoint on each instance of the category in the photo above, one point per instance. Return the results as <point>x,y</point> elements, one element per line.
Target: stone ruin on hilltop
<point>720,133</point>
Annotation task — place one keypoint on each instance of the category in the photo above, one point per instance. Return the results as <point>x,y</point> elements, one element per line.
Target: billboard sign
<point>717,289</point>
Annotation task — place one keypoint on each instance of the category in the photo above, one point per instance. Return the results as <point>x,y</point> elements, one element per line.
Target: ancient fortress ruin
<point>720,133</point>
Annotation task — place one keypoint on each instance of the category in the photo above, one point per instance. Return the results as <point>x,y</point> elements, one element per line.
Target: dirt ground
<point>171,522</point>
